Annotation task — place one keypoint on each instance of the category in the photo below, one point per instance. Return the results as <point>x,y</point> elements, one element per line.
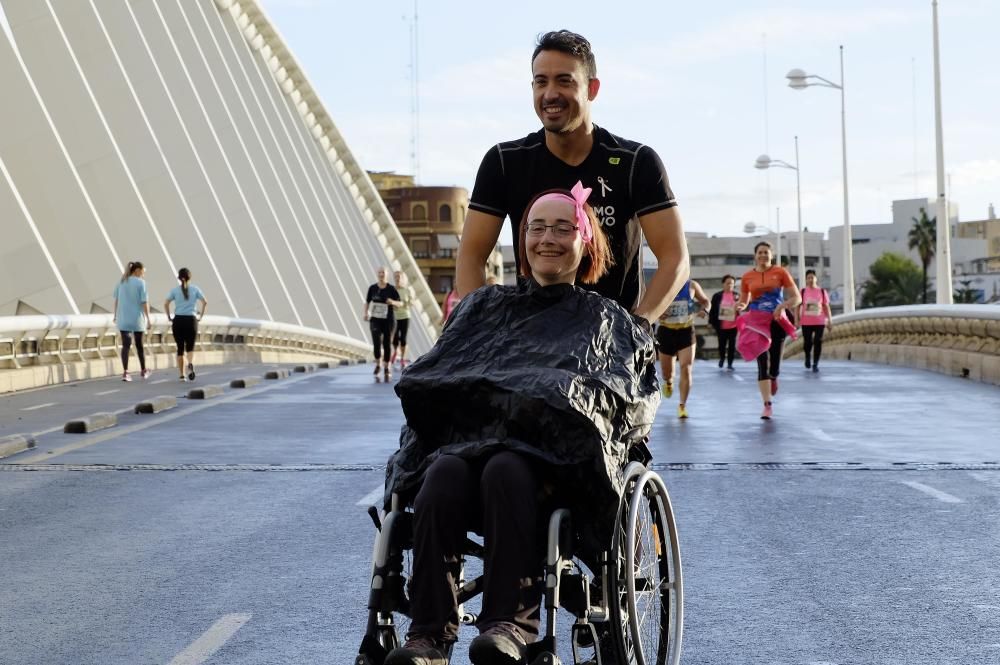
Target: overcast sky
<point>687,78</point>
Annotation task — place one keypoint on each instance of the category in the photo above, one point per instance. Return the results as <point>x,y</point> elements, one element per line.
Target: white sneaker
<point>126,376</point>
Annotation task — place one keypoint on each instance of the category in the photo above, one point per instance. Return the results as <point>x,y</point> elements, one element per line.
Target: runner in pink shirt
<point>814,317</point>
<point>722,317</point>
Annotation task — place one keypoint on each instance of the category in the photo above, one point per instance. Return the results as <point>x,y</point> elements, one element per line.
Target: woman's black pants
<point>500,498</point>
<point>812,342</point>
<point>769,362</point>
<point>382,338</point>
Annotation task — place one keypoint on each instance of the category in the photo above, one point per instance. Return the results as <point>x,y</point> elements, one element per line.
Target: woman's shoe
<point>126,377</point>
<point>768,411</point>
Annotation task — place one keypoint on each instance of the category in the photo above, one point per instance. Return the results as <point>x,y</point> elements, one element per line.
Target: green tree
<point>923,238</point>
<point>966,294</point>
<point>895,280</point>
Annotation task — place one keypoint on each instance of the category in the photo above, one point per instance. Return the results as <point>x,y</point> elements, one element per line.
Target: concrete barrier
<point>957,340</point>
<point>323,365</point>
<point>245,382</point>
<point>15,443</point>
<point>157,404</point>
<point>90,423</point>
<point>345,362</point>
<point>205,392</point>
<point>305,369</point>
<point>275,374</point>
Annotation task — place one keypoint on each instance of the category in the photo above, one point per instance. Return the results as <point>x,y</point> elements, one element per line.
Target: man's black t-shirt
<point>380,295</point>
<point>628,180</point>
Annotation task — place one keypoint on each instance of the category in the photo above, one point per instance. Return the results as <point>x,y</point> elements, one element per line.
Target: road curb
<point>157,404</point>
<point>245,382</point>
<point>15,443</point>
<point>276,374</point>
<point>205,392</point>
<point>90,423</point>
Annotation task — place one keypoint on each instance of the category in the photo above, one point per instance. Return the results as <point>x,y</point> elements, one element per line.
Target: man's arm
<point>665,236</point>
<point>479,239</point>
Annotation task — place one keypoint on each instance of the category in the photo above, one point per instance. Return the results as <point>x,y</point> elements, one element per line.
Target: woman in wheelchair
<point>532,391</point>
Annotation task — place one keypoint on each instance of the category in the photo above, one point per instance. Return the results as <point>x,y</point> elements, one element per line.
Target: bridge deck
<point>238,522</point>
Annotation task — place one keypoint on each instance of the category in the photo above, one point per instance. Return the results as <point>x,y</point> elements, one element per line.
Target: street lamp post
<point>799,80</point>
<point>943,249</point>
<point>765,162</point>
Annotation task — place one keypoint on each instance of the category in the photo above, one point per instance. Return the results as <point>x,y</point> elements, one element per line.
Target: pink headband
<point>578,199</point>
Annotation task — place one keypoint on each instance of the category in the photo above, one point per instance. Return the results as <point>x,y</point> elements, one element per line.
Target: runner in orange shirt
<point>768,288</point>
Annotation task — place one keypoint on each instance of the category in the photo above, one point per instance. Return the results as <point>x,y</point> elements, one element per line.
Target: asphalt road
<point>861,525</point>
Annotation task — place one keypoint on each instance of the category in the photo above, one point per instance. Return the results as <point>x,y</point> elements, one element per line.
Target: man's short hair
<point>810,272</point>
<point>571,44</point>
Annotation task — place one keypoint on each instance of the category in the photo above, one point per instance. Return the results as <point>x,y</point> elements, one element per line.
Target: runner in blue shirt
<point>132,315</point>
<point>185,297</point>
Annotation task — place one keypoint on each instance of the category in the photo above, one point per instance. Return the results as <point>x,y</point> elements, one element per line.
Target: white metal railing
<point>42,340</point>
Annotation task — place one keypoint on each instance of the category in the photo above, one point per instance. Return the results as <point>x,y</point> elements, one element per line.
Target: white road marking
<point>373,496</point>
<point>930,491</point>
<point>737,377</point>
<point>116,432</point>
<point>821,435</point>
<point>39,406</point>
<point>211,640</point>
<point>990,478</point>
<point>160,381</point>
<point>108,392</point>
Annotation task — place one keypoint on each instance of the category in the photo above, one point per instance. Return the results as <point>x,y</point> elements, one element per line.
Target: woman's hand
<point>778,312</point>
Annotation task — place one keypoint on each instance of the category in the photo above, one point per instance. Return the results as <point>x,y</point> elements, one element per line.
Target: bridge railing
<point>960,340</point>
<point>44,341</point>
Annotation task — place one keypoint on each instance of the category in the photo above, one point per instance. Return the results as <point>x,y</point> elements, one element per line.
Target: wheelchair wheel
<point>389,606</point>
<point>647,599</point>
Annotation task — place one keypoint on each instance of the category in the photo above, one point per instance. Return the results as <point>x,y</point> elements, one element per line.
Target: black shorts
<point>673,340</point>
<point>185,329</point>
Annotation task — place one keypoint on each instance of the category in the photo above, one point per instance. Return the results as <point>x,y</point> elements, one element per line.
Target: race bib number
<point>678,313</point>
<point>378,310</point>
<point>727,313</point>
<point>812,308</point>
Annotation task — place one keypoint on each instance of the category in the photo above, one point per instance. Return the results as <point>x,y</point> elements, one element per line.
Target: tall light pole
<point>765,162</point>
<point>943,250</point>
<point>799,80</point>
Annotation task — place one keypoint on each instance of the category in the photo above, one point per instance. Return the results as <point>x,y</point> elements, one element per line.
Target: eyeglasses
<point>559,229</point>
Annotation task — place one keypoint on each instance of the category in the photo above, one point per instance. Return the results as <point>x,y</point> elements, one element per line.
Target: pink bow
<point>578,199</point>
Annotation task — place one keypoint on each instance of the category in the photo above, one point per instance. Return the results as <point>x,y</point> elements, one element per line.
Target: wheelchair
<point>629,611</point>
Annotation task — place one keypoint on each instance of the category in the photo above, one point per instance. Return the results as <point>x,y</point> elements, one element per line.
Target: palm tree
<point>923,238</point>
<point>895,280</point>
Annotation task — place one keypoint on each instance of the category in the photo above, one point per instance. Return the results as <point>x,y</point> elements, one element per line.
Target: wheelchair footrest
<point>546,658</point>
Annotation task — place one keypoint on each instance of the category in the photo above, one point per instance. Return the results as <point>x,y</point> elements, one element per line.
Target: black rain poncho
<point>556,373</point>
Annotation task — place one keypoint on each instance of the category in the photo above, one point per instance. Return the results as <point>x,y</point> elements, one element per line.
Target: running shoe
<point>387,374</point>
<point>682,411</point>
<point>815,368</point>
<point>376,369</point>
<point>774,385</point>
<point>767,412</point>
<point>126,376</point>
<point>421,650</point>
<point>145,374</point>
<point>721,363</point>
<point>668,389</point>
<point>502,643</point>
<point>808,364</point>
<point>403,363</point>
<point>190,372</point>
<point>182,378</point>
